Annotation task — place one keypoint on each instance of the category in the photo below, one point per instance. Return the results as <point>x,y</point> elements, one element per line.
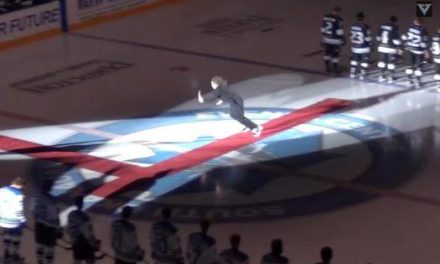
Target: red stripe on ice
<point>222,146</point>
<point>79,159</point>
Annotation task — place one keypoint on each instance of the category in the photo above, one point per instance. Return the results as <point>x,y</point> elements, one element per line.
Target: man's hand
<point>200,97</point>
<point>219,102</point>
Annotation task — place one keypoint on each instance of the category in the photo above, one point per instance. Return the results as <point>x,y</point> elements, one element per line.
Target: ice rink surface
<point>361,180</point>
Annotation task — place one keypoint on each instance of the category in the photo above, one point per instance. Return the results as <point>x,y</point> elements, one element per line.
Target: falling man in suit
<point>222,94</point>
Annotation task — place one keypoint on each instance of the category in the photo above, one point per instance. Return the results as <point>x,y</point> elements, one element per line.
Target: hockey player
<point>360,47</point>
<point>165,241</point>
<point>47,223</point>
<point>201,247</point>
<point>389,49</point>
<point>12,219</point>
<point>275,256</point>
<point>234,255</point>
<point>332,39</point>
<point>435,50</point>
<point>81,234</point>
<point>124,239</point>
<point>416,41</point>
<point>326,255</point>
<point>222,94</point>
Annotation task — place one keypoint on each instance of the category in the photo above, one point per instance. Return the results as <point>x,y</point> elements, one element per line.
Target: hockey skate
<point>13,260</point>
<point>391,79</point>
<point>328,70</point>
<point>362,75</point>
<point>410,82</point>
<point>417,84</point>
<point>381,78</point>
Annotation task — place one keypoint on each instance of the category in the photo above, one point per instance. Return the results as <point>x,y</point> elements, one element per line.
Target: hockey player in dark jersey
<point>165,241</point>
<point>233,255</point>
<point>80,229</point>
<point>416,42</point>
<point>276,254</point>
<point>435,50</point>
<point>124,239</point>
<point>47,223</point>
<point>326,255</point>
<point>389,48</point>
<point>360,36</point>
<point>201,247</point>
<point>332,39</point>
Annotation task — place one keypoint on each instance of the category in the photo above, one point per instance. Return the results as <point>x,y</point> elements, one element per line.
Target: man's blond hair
<point>219,81</point>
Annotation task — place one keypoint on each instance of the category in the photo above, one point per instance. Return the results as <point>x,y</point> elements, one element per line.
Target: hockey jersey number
<point>328,27</point>
<point>385,37</point>
<point>357,37</point>
<point>414,40</point>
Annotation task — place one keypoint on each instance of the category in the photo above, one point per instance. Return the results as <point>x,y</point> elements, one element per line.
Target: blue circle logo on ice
<point>296,172</point>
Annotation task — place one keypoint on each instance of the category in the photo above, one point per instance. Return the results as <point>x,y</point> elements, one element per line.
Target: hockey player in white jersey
<point>12,220</point>
<point>124,239</point>
<point>275,256</point>
<point>435,50</point>
<point>165,241</point>
<point>81,234</point>
<point>47,223</point>
<point>416,40</point>
<point>222,94</point>
<point>389,49</point>
<point>234,255</point>
<point>201,247</point>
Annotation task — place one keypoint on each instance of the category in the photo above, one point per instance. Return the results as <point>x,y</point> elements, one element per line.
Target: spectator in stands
<point>326,255</point>
<point>234,255</point>
<point>124,239</point>
<point>12,219</point>
<point>165,240</point>
<point>201,247</point>
<point>12,5</point>
<point>81,234</point>
<point>47,223</point>
<point>275,256</point>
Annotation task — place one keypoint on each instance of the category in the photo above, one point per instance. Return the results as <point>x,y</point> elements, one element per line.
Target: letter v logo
<point>424,9</point>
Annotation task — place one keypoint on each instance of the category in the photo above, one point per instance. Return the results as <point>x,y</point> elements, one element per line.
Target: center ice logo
<point>287,174</point>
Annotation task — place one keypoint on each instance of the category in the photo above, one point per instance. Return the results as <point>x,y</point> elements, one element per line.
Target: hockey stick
<point>58,244</point>
<point>314,53</point>
<point>100,257</point>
